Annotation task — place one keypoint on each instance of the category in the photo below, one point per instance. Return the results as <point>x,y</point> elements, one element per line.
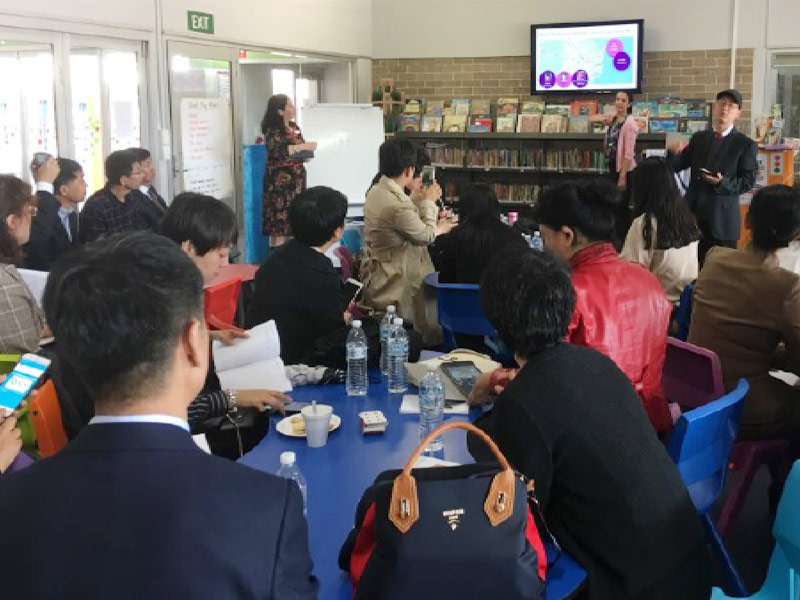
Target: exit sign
<point>200,22</point>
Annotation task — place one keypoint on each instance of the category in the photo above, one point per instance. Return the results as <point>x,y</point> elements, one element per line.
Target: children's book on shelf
<point>409,122</point>
<point>671,108</point>
<point>435,107</point>
<point>599,127</point>
<point>529,123</point>
<point>506,124</point>
<point>579,124</point>
<point>694,125</point>
<point>460,106</point>
<point>643,123</point>
<point>645,108</point>
<point>414,106</point>
<point>552,123</point>
<point>455,123</point>
<point>479,124</point>
<point>696,109</point>
<point>583,107</point>
<point>608,109</point>
<point>533,107</point>
<point>447,110</point>
<point>557,109</point>
<point>432,123</point>
<point>507,106</point>
<point>661,125</point>
<point>482,108</point>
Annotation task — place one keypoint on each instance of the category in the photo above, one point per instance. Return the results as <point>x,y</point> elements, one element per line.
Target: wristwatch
<point>230,395</point>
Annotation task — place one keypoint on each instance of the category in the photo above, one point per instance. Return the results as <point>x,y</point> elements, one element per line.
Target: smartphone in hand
<point>22,379</point>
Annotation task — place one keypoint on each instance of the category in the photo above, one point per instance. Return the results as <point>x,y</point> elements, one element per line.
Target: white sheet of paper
<point>252,363</point>
<point>423,462</point>
<point>35,280</point>
<point>410,406</point>
<point>262,344</point>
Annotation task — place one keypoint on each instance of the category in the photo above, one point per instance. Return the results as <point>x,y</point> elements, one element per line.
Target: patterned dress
<point>284,179</point>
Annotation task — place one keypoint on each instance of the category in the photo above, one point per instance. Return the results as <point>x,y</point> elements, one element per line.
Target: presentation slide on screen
<point>586,58</point>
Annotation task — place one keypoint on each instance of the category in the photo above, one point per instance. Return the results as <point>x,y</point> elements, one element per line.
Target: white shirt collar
<point>726,132</point>
<point>145,189</point>
<point>164,419</point>
<point>45,186</point>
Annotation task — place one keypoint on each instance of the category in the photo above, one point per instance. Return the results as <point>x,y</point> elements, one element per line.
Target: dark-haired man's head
<point>574,215</point>
<point>69,185</point>
<point>148,168</point>
<point>204,227</point>
<point>528,296</point>
<point>124,170</point>
<point>129,309</point>
<point>774,217</point>
<point>317,217</point>
<point>397,159</point>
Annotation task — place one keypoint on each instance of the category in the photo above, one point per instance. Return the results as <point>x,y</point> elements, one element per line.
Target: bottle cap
<point>397,321</point>
<point>287,458</point>
<point>391,308</point>
<point>433,367</point>
<point>356,323</point>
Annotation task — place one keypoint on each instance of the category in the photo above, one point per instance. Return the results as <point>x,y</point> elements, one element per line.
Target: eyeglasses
<point>136,174</point>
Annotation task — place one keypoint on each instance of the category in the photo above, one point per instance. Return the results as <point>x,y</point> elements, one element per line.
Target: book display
<point>518,165</point>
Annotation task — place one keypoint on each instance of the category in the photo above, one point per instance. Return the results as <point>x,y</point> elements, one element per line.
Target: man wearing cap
<point>723,166</point>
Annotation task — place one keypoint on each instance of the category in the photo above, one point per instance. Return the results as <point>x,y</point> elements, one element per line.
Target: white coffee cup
<point>317,419</point>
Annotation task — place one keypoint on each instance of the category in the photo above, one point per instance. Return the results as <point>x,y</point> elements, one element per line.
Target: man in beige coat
<point>747,310</point>
<point>397,232</point>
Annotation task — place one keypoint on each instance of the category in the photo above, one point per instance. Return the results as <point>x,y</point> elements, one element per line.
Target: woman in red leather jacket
<point>621,309</point>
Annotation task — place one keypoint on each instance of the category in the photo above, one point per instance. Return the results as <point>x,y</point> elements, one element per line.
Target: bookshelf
<point>518,165</point>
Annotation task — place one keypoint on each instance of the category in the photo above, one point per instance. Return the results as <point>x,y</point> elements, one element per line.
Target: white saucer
<point>284,426</point>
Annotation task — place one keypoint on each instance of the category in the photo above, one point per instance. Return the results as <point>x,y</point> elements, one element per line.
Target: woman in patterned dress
<point>285,177</point>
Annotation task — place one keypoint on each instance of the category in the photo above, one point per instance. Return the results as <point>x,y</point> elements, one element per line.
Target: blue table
<point>338,474</point>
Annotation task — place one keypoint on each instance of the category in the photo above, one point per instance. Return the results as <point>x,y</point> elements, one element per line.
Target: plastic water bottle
<point>386,326</point>
<point>431,407</point>
<point>356,361</point>
<point>537,243</point>
<point>398,356</point>
<point>290,470</point>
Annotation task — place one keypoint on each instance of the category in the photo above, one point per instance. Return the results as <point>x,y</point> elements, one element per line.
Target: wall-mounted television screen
<point>586,57</point>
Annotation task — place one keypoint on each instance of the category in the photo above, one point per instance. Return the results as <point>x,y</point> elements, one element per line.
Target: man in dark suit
<point>149,201</point>
<point>60,187</point>
<point>723,166</point>
<point>297,285</point>
<point>132,508</point>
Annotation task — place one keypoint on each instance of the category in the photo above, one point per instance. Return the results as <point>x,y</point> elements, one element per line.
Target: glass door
<point>105,106</point>
<point>27,104</point>
<point>201,117</point>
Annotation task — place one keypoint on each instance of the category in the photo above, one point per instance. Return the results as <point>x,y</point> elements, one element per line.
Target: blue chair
<point>683,313</point>
<point>782,582</point>
<point>700,445</point>
<point>459,310</point>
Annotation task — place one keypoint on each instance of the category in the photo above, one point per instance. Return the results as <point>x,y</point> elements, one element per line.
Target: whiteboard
<point>348,138</point>
<point>205,140</point>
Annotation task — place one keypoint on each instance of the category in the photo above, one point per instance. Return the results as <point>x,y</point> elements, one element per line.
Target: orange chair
<point>221,301</point>
<point>46,418</point>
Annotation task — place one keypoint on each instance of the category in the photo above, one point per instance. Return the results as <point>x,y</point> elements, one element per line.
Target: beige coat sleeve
<point>791,330</point>
<point>417,222</point>
<point>634,250</point>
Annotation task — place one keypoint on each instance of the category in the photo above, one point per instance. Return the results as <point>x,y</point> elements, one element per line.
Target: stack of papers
<point>253,363</point>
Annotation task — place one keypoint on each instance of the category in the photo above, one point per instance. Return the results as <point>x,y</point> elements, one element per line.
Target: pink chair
<point>692,377</point>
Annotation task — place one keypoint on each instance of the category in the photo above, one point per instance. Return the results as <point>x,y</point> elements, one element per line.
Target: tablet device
<point>353,289</point>
<point>302,155</point>
<point>462,373</point>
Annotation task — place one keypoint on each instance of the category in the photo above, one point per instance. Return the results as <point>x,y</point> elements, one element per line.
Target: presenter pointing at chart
<point>285,176</point>
<point>620,151</point>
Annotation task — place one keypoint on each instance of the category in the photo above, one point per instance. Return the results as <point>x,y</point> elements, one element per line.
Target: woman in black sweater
<point>461,255</point>
<point>571,421</point>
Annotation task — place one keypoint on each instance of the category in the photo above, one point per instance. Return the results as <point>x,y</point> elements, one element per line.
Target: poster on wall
<point>206,146</point>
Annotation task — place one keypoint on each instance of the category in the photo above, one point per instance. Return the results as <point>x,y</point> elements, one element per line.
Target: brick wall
<point>685,74</point>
